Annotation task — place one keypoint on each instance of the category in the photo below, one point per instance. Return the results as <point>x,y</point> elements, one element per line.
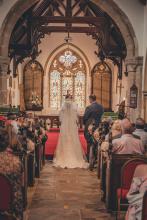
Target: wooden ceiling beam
<point>78,20</point>
<point>68,8</point>
<point>59,29</point>
<point>77,12</point>
<point>61,3</point>
<point>68,12</point>
<point>75,4</point>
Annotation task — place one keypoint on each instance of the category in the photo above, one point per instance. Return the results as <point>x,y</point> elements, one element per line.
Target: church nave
<point>73,94</point>
<point>69,194</point>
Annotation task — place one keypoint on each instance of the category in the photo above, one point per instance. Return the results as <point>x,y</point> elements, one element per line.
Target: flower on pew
<point>2,118</point>
<point>96,135</point>
<point>90,128</point>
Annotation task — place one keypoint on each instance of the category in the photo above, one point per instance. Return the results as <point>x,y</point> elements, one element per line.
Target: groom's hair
<point>92,97</point>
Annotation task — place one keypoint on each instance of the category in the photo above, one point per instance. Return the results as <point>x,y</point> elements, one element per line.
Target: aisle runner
<point>53,140</point>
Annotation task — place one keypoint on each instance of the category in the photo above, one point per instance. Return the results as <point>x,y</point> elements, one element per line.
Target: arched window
<point>67,72</point>
<point>33,85</point>
<point>102,84</point>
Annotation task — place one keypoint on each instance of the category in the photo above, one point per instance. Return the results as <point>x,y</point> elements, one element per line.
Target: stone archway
<point>109,6</point>
<point>47,71</point>
<point>123,23</point>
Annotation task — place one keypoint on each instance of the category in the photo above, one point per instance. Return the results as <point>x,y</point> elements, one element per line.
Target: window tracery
<point>67,72</point>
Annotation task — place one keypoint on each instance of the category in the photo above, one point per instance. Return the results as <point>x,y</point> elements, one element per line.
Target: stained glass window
<point>80,89</point>
<point>67,84</point>
<point>67,72</point>
<point>55,89</point>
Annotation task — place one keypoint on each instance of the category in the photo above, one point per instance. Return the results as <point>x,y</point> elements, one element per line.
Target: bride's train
<point>69,152</point>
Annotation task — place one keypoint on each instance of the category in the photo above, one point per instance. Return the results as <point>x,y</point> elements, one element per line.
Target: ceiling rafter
<point>75,4</point>
<point>42,7</point>
<point>44,18</point>
<point>56,8</point>
<point>63,29</point>
<point>61,3</point>
<point>59,19</point>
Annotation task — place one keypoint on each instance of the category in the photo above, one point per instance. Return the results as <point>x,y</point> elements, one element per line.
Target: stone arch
<point>109,6</point>
<point>33,85</point>
<point>57,51</point>
<point>62,47</point>
<point>102,84</point>
<point>123,23</point>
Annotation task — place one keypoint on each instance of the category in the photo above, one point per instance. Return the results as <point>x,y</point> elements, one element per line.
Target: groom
<point>92,117</point>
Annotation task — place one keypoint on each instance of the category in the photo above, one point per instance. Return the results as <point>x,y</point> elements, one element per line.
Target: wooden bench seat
<point>113,177</point>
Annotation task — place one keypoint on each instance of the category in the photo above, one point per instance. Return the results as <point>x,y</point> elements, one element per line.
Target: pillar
<point>134,66</point>
<point>4,62</point>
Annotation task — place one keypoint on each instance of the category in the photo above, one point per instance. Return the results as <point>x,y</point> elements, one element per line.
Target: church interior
<point>50,49</point>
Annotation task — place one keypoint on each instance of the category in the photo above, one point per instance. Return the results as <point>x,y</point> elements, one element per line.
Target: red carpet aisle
<point>53,140</point>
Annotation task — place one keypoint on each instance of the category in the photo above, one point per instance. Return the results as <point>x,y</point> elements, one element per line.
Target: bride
<point>69,152</point>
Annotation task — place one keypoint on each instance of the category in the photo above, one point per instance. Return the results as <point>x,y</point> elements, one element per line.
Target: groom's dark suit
<point>92,115</point>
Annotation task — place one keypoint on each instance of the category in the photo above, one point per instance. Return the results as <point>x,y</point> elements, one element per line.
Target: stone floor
<point>67,194</point>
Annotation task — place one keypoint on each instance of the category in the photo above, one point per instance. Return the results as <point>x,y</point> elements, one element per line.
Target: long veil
<point>69,151</point>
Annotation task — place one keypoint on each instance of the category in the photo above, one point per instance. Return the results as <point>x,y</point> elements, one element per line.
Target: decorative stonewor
<point>3,81</point>
<point>145,89</point>
<point>145,105</point>
<point>133,96</point>
<point>67,73</point>
<point>22,103</point>
<point>134,70</point>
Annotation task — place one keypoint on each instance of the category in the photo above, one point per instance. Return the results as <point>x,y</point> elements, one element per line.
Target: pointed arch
<point>68,69</point>
<point>109,6</point>
<point>33,85</point>
<point>102,84</point>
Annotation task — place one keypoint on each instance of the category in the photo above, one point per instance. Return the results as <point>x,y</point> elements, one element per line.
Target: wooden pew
<point>38,159</point>
<point>144,208</point>
<point>113,177</point>
<point>31,168</point>
<point>23,157</point>
<point>43,154</point>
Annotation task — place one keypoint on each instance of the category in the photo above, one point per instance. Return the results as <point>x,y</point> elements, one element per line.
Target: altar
<point>55,122</point>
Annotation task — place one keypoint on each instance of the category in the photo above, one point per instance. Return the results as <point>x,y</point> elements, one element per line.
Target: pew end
<point>113,177</point>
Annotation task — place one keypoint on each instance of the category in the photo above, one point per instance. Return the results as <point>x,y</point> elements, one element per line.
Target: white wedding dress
<point>69,152</point>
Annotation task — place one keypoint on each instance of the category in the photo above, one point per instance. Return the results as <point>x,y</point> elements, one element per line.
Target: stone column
<point>145,106</point>
<point>134,66</point>
<point>21,87</point>
<point>4,62</point>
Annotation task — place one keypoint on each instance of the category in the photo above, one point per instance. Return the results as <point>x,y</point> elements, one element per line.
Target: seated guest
<point>30,141</point>
<point>116,129</point>
<point>15,140</point>
<point>145,127</point>
<point>136,193</point>
<point>10,166</point>
<point>115,133</point>
<point>140,124</point>
<point>127,144</point>
<point>13,122</point>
